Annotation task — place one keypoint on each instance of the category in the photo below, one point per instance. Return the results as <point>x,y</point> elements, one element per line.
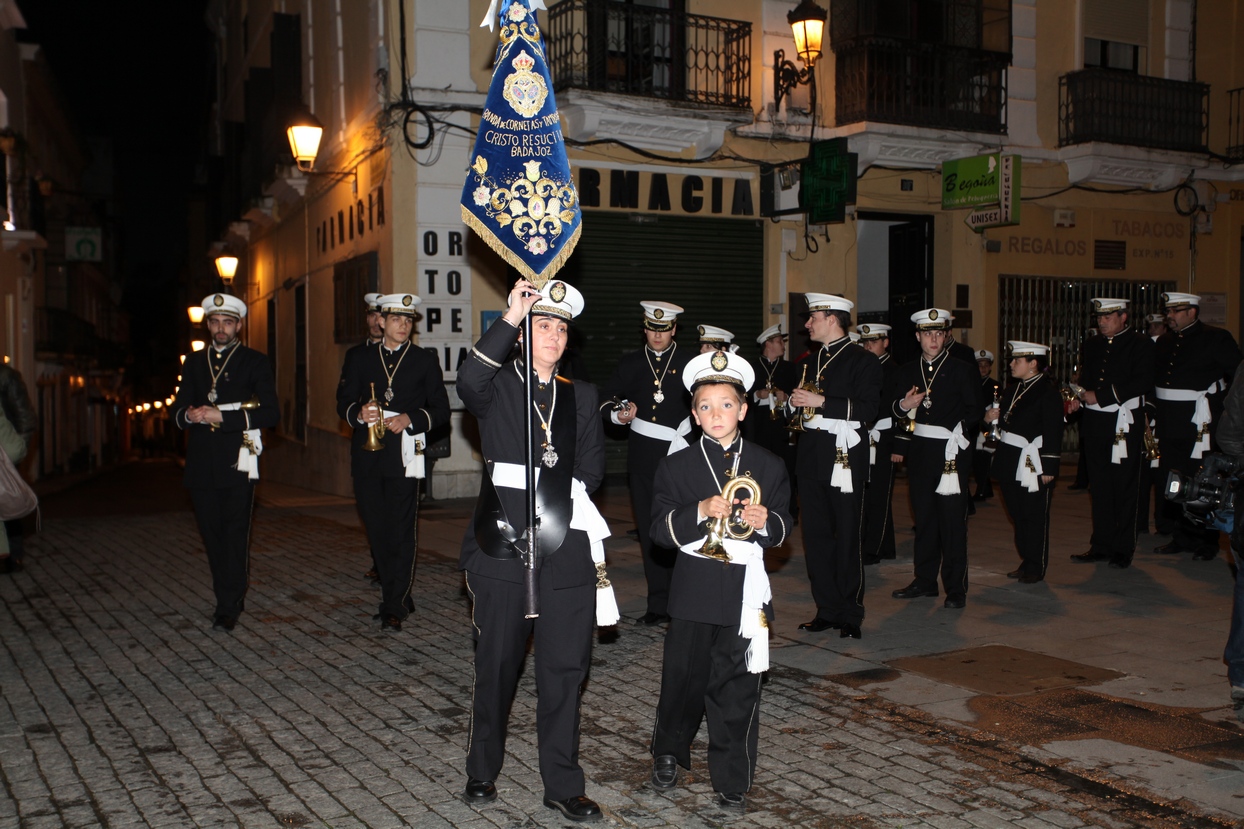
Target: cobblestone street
<point>121,707</point>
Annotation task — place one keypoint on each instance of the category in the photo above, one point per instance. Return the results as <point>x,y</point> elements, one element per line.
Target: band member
<point>713,339</point>
<point>1193,364</point>
<point>400,386</point>
<point>839,395</point>
<point>1151,486</point>
<point>1028,454</point>
<point>941,399</point>
<point>227,395</point>
<point>658,411</point>
<point>375,333</point>
<point>1116,372</point>
<point>776,378</point>
<point>877,533</point>
<point>1155,326</point>
<point>982,454</point>
<point>717,646</point>
<point>569,452</point>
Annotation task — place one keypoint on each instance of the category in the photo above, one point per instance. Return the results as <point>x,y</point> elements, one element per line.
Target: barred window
<point>351,279</point>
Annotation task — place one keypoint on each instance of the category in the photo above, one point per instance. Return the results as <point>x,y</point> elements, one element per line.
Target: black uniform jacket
<point>212,454</point>
<point>1118,368</point>
<point>418,392</point>
<point>706,590</point>
<point>961,351</point>
<point>1193,358</point>
<point>492,389</point>
<point>634,380</point>
<point>1038,411</point>
<point>850,378</point>
<point>955,391</point>
<point>889,389</point>
<point>759,426</point>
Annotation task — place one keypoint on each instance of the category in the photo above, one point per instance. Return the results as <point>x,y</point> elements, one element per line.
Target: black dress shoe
<point>732,800</point>
<point>371,574</point>
<point>649,619</point>
<point>1016,573</point>
<point>1029,578</point>
<point>818,624</point>
<point>225,623</point>
<point>1087,558</point>
<point>664,772</point>
<point>955,602</point>
<point>1171,549</point>
<point>576,808</point>
<point>850,631</point>
<point>479,791</point>
<point>915,591</point>
<point>391,623</point>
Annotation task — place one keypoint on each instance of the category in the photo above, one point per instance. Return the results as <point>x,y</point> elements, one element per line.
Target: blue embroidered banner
<point>519,195</point>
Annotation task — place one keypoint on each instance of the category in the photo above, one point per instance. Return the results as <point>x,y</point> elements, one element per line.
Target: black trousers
<point>1030,512</point>
<point>389,508</point>
<point>1187,535</point>
<point>1116,486</point>
<point>941,520</point>
<point>831,539</point>
<point>982,464</point>
<point>224,517</point>
<point>643,455</point>
<point>705,672</point>
<point>563,649</point>
<point>877,537</point>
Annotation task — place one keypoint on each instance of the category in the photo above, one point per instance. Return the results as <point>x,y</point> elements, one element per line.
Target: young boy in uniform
<point>717,646</point>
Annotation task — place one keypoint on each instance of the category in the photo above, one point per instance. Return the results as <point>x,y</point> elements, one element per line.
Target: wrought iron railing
<point>1235,124</point>
<point>1120,107</point>
<point>658,53</point>
<point>900,82</point>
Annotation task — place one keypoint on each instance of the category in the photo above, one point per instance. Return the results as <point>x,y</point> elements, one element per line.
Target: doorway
<point>895,274</point>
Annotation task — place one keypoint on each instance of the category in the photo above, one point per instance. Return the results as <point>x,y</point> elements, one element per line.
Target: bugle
<point>731,525</point>
<point>375,430</point>
<point>804,413</point>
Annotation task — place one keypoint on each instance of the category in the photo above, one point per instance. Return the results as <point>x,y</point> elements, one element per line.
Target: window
<point>351,279</point>
<point>1111,54</point>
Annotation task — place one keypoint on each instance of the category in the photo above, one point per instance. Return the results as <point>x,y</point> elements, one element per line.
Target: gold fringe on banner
<point>537,279</point>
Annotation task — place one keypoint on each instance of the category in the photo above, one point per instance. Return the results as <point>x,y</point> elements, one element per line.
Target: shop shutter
<point>1120,21</point>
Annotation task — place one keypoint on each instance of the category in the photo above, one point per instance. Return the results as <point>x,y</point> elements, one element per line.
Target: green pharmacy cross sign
<point>828,181</point>
<point>989,183</point>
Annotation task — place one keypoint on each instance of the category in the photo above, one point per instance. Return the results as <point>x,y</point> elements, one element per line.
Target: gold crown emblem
<point>557,293</point>
<point>408,300</point>
<point>932,313</point>
<point>719,361</point>
<point>523,62</point>
<point>658,313</point>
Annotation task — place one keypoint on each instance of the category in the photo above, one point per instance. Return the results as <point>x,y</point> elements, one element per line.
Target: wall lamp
<point>227,268</point>
<point>196,315</point>
<point>807,23</point>
<point>304,133</point>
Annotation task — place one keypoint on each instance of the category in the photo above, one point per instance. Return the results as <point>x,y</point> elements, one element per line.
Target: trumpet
<point>773,405</point>
<point>1152,451</point>
<point>248,405</point>
<point>805,413</point>
<point>731,525</point>
<point>376,430</point>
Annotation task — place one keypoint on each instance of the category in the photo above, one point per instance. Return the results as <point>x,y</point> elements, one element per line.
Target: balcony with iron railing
<point>604,46</point>
<point>921,85</point>
<point>1118,107</point>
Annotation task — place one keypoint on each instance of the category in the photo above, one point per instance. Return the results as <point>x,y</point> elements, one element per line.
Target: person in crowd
<point>982,454</point>
<point>776,378</point>
<point>374,322</point>
<point>877,531</point>
<point>1151,485</point>
<point>227,395</point>
<point>1030,420</point>
<point>16,406</point>
<point>717,646</point>
<point>941,398</point>
<point>569,577</point>
<point>713,339</point>
<point>1231,440</point>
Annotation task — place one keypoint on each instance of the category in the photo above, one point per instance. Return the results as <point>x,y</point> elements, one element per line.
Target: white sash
<point>753,625</point>
<point>1122,424</point>
<point>658,432</point>
<point>955,441</point>
<point>251,448</point>
<point>846,434</point>
<point>412,450</point>
<point>584,516</point>
<point>874,435</point>
<point>1029,450</point>
<point>1200,415</point>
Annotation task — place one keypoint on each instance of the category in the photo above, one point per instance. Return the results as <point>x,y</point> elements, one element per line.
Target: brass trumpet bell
<point>805,413</point>
<point>246,405</point>
<point>375,430</point>
<point>731,526</point>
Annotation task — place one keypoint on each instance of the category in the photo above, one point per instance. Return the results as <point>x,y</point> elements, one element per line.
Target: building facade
<point>1123,116</point>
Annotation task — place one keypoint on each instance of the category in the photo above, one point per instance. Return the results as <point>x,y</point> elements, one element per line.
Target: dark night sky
<point>140,73</point>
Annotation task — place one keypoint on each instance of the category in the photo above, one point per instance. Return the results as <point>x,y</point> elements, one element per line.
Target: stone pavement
<point>1095,699</point>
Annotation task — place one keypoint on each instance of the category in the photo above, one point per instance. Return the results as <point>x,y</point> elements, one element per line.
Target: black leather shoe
<point>576,808</point>
<point>915,591</point>
<point>1087,558</point>
<point>371,574</point>
<point>664,772</point>
<point>1171,549</point>
<point>391,623</point>
<point>1029,578</point>
<point>955,602</point>
<point>225,623</point>
<point>1016,573</point>
<point>1205,555</point>
<point>732,800</point>
<point>850,631</point>
<point>479,792</point>
<point>649,619</point>
<point>818,624</point>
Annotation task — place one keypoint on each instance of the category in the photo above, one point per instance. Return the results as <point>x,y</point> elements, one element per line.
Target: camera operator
<point>1231,441</point>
